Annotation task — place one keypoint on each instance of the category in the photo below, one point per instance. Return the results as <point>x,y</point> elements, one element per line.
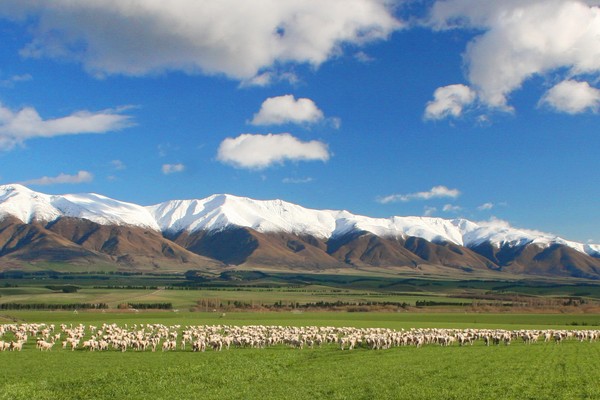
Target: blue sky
<point>459,108</point>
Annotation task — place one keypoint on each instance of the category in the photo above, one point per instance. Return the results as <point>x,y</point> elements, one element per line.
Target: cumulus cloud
<point>80,177</point>
<point>521,39</point>
<point>261,151</point>
<point>435,192</point>
<point>572,97</point>
<point>168,169</point>
<point>237,38</point>
<point>19,126</point>
<point>286,109</point>
<point>449,101</point>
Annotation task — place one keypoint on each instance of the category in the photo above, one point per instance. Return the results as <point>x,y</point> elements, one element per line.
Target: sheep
<point>43,345</point>
<point>17,346</point>
<point>143,336</point>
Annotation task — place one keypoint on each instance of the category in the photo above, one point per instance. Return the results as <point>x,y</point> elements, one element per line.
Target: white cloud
<point>80,177</point>
<point>572,97</point>
<point>168,169</point>
<point>521,39</point>
<point>286,109</point>
<point>451,208</point>
<point>449,101</point>
<point>485,206</point>
<point>498,225</point>
<point>297,180</point>
<point>261,151</point>
<point>238,38</point>
<point>435,192</point>
<point>269,77</point>
<point>19,126</point>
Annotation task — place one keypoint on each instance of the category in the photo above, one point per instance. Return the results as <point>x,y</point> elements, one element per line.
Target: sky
<point>477,109</point>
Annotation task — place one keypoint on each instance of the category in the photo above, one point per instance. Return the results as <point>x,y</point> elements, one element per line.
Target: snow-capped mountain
<point>27,205</point>
<point>221,211</point>
<point>218,212</point>
<point>337,236</point>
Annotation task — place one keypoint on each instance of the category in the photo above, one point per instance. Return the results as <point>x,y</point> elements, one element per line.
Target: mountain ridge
<point>219,211</point>
<point>223,230</point>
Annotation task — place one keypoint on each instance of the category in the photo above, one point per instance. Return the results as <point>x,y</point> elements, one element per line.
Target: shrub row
<point>151,306</point>
<point>45,306</point>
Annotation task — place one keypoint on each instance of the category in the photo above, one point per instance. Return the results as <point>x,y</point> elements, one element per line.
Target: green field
<point>518,371</point>
<point>255,290</point>
<point>184,299</point>
<point>543,371</point>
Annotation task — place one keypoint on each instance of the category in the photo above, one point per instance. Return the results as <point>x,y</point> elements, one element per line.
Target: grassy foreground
<point>518,371</point>
<point>540,371</point>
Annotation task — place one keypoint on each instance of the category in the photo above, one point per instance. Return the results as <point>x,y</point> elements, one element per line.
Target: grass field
<point>184,299</point>
<point>542,371</point>
<point>518,371</point>
<point>291,291</point>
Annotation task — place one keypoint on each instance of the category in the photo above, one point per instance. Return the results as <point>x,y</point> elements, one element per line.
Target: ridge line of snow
<point>220,211</point>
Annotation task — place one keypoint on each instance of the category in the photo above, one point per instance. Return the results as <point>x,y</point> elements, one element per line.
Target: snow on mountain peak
<point>221,211</point>
<point>28,206</point>
<point>105,211</point>
<point>218,212</point>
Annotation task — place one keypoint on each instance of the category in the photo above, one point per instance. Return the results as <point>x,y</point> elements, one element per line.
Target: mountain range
<point>85,231</point>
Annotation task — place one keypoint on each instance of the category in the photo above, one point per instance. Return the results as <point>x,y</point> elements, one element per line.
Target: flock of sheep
<point>153,337</point>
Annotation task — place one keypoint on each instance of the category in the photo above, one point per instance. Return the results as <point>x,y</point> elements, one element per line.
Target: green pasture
<point>517,371</point>
<point>184,299</point>
<point>240,294</point>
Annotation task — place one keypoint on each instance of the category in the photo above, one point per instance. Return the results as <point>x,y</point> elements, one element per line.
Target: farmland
<point>537,371</point>
<point>251,290</point>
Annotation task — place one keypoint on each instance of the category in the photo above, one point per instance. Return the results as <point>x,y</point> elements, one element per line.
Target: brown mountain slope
<point>248,248</point>
<point>129,244</point>
<point>33,242</point>
<point>448,254</point>
<point>238,246</point>
<point>230,246</point>
<point>555,260</point>
<point>78,241</point>
<point>298,251</point>
<point>367,249</point>
<point>362,248</point>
